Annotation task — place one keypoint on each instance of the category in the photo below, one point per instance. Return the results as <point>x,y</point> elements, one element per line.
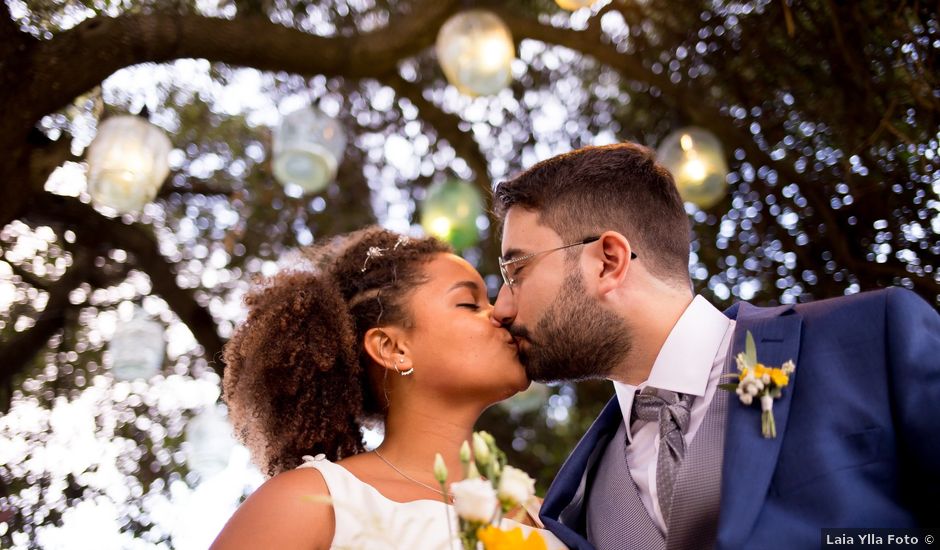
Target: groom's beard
<point>575,339</point>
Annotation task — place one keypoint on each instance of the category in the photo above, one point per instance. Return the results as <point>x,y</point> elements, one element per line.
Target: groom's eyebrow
<point>512,253</point>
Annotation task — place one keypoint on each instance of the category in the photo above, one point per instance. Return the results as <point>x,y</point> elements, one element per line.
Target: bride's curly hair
<point>297,377</point>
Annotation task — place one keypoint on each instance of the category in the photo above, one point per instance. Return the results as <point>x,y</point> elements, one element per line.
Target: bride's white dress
<point>365,519</point>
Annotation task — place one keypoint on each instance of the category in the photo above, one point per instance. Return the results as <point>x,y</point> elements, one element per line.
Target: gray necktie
<point>672,411</point>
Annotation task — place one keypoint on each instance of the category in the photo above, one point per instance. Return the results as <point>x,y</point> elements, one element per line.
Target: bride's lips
<point>513,343</point>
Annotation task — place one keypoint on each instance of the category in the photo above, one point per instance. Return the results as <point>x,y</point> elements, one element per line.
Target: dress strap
<point>532,508</point>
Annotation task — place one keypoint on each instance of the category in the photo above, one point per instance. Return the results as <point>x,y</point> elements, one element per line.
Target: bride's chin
<point>518,387</point>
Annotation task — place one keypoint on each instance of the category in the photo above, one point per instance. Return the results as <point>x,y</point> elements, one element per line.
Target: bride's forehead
<point>446,267</point>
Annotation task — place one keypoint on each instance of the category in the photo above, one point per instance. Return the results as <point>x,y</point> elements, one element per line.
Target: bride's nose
<point>493,318</point>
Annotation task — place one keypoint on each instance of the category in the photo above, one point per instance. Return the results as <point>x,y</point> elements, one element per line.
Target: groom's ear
<point>613,251</point>
<point>387,347</point>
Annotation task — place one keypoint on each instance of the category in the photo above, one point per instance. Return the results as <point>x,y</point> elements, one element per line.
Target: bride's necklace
<point>411,479</point>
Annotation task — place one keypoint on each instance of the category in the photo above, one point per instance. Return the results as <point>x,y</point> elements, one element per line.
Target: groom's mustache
<point>519,332</point>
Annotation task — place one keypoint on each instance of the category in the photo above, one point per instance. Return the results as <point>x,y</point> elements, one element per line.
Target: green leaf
<point>750,350</point>
<point>731,386</point>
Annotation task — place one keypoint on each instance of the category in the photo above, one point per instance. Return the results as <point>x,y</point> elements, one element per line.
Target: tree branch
<point>447,126</point>
<point>699,112</point>
<point>30,278</point>
<point>12,39</point>
<point>194,187</point>
<point>20,350</point>
<point>80,58</point>
<point>101,231</point>
<point>45,156</point>
<point>58,70</point>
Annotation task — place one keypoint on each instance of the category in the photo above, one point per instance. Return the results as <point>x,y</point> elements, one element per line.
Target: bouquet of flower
<point>490,489</point>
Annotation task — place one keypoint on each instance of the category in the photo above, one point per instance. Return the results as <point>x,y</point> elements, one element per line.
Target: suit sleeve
<point>913,350</point>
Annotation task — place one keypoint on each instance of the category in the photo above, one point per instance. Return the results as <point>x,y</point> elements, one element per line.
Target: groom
<point>595,255</point>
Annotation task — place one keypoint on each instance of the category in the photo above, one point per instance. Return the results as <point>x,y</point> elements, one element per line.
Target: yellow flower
<point>494,538</point>
<point>779,377</point>
<point>742,374</point>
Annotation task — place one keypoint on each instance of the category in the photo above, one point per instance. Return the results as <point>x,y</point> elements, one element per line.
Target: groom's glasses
<point>509,268</point>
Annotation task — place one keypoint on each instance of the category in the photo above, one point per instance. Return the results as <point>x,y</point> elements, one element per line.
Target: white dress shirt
<point>690,361</point>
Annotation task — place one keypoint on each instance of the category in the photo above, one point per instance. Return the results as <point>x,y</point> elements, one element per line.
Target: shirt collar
<point>686,358</point>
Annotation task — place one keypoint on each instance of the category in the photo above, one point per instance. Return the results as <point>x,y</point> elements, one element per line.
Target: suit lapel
<point>750,459</point>
<point>563,508</point>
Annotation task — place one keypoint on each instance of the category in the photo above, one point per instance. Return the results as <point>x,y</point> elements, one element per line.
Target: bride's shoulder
<point>305,481</point>
<point>292,509</point>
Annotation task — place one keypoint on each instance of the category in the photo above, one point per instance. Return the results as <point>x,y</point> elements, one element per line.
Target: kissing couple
<point>595,255</point>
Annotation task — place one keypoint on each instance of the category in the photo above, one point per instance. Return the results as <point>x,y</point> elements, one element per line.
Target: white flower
<point>765,379</point>
<point>475,500</point>
<point>515,486</point>
<point>747,399</point>
<point>465,453</point>
<point>480,449</point>
<point>788,367</point>
<point>472,471</point>
<point>741,361</point>
<point>440,469</point>
<point>751,390</point>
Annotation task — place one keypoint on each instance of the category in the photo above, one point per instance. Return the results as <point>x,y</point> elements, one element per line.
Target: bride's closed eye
<point>470,306</point>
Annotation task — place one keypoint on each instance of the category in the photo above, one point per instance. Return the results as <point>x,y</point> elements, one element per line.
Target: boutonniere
<point>756,380</point>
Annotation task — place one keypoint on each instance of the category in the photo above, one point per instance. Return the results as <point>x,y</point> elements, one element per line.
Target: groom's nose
<point>504,310</point>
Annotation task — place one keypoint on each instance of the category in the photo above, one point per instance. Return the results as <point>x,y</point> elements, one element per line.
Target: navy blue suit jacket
<point>858,428</point>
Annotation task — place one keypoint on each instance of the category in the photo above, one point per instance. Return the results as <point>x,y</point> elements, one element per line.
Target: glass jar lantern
<point>127,163</point>
<point>695,158</point>
<point>573,5</point>
<point>308,147</point>
<point>137,348</point>
<point>475,50</point>
<point>450,212</point>
<point>210,441</point>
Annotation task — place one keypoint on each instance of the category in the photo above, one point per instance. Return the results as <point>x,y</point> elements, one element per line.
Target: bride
<point>382,329</point>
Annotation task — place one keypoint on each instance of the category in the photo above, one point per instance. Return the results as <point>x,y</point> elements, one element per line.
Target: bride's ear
<point>387,348</point>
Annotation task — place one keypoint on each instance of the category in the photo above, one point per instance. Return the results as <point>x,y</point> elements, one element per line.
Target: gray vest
<point>616,517</point>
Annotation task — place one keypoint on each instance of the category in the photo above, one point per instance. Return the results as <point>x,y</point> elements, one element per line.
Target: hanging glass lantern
<point>127,163</point>
<point>697,162</point>
<point>137,348</point>
<point>209,440</point>
<point>573,5</point>
<point>308,147</point>
<point>475,50</point>
<point>450,212</point>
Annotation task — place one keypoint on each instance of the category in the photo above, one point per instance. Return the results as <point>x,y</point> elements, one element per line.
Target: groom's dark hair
<point>617,187</point>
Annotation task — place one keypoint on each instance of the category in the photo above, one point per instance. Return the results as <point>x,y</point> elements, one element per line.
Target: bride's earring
<point>404,372</point>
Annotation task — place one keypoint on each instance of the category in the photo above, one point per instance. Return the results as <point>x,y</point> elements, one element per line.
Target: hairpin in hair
<point>377,252</point>
<point>373,252</point>
<point>402,240</point>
